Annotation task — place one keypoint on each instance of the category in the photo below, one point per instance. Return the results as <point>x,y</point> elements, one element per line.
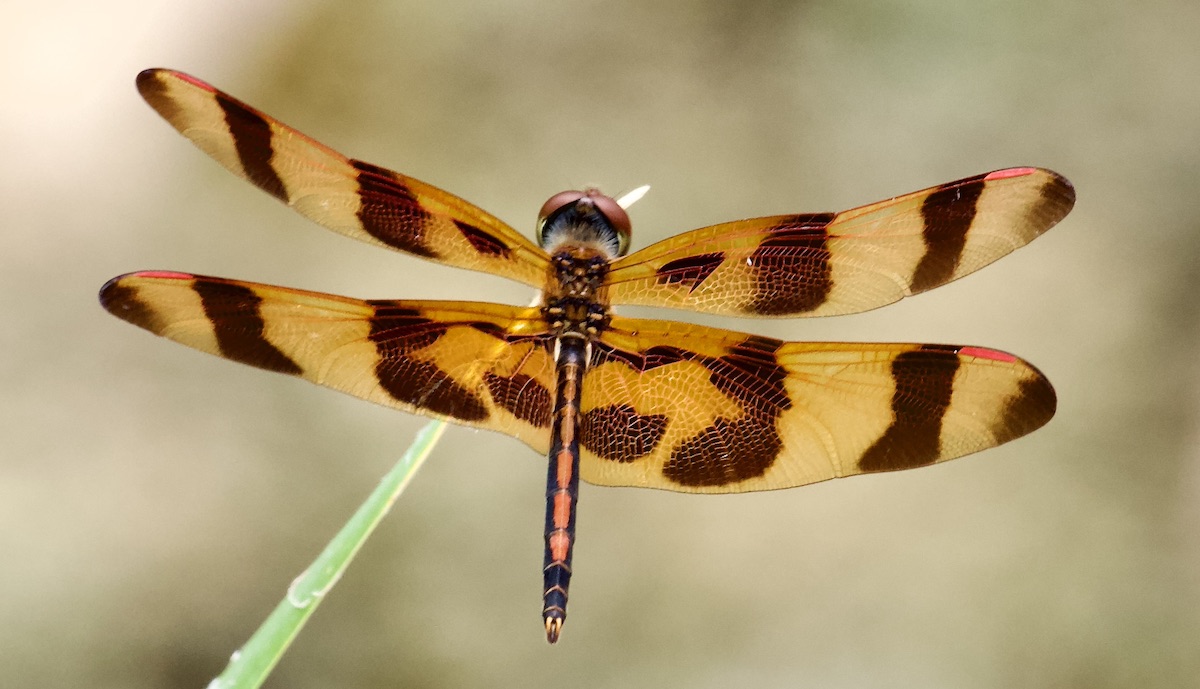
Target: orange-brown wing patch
<point>686,408</point>
<point>824,264</point>
<point>348,196</point>
<point>481,365</point>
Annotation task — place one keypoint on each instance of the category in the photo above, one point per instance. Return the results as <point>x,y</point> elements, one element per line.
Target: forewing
<point>685,408</point>
<point>481,365</point>
<point>825,264</point>
<point>348,196</point>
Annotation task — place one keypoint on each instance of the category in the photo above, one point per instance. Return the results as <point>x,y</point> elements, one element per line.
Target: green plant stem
<point>250,666</point>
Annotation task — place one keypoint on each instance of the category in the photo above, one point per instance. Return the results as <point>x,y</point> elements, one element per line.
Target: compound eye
<point>615,214</point>
<point>556,202</point>
<point>603,205</point>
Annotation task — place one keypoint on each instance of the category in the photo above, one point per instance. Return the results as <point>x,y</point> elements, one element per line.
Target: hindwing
<point>482,365</point>
<point>687,408</point>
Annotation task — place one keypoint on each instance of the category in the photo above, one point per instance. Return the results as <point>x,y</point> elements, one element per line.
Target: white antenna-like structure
<point>631,197</point>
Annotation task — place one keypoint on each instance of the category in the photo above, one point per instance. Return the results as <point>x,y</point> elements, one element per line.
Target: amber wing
<point>348,196</point>
<point>481,365</point>
<point>687,408</point>
<point>665,405</point>
<point>824,264</point>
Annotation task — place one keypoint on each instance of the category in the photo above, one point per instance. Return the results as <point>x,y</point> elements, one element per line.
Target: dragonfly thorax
<point>576,302</point>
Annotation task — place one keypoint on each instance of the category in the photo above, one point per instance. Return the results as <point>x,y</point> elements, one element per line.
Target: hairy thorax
<point>577,302</point>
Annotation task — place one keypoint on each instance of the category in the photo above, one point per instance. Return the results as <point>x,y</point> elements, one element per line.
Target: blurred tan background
<point>155,502</point>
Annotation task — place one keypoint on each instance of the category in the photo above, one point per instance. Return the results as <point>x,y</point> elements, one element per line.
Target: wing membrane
<point>826,264</point>
<point>481,365</point>
<point>348,196</point>
<point>665,405</point>
<point>685,408</point>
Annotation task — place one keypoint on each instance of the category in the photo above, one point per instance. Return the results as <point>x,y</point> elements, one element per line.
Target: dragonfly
<point>609,399</point>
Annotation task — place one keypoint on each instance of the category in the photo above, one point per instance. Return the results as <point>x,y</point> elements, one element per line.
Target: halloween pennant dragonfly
<point>620,401</point>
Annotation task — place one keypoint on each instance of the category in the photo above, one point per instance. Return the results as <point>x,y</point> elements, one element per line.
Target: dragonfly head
<point>587,217</point>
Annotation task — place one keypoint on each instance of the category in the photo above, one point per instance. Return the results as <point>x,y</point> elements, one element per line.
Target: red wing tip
<point>191,80</point>
<point>985,353</point>
<point>1011,172</point>
<point>150,78</point>
<point>161,274</point>
<point>553,628</point>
